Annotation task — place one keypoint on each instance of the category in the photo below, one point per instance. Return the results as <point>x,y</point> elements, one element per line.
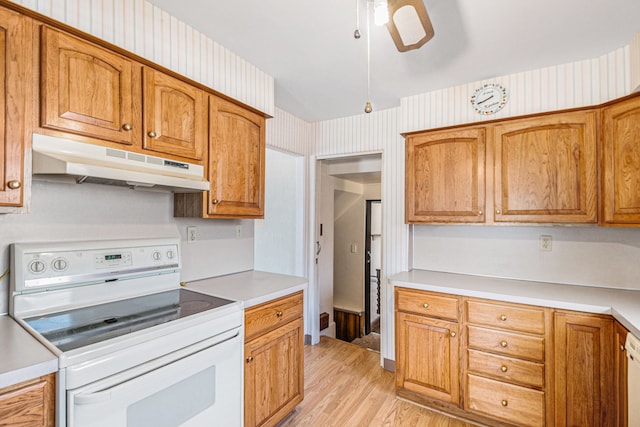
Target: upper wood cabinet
<point>445,176</point>
<point>88,90</point>
<point>545,169</point>
<point>534,170</point>
<point>175,116</point>
<point>236,160</point>
<point>16,84</point>
<point>621,163</point>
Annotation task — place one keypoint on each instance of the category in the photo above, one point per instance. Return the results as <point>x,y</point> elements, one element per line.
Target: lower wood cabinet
<point>274,364</point>
<point>508,364</point>
<point>31,403</point>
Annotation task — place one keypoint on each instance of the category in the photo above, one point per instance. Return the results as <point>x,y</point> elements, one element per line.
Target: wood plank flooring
<point>345,386</point>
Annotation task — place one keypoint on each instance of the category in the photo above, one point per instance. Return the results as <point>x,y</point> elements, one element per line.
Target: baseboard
<point>389,365</point>
<point>330,331</point>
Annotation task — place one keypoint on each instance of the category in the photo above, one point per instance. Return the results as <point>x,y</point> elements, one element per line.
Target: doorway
<point>344,188</point>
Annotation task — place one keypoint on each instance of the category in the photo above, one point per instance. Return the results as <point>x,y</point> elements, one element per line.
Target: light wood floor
<point>345,386</point>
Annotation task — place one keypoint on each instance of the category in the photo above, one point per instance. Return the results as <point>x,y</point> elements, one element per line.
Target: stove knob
<point>36,266</point>
<point>60,264</point>
<point>170,254</point>
<point>157,256</point>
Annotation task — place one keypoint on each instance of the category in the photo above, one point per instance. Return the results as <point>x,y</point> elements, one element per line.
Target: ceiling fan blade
<point>409,24</point>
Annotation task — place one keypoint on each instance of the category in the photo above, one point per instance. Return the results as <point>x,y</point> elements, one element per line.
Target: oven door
<point>181,389</point>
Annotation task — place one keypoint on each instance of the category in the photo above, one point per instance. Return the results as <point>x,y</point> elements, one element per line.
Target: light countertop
<point>624,305</point>
<point>22,357</point>
<point>250,287</point>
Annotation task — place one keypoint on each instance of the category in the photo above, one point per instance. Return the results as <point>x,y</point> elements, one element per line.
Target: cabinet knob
<point>425,305</point>
<point>479,213</point>
<point>14,184</point>
<point>279,314</point>
<point>504,402</point>
<point>503,343</point>
<point>503,318</point>
<point>152,134</point>
<point>504,368</point>
<point>498,211</point>
<point>127,127</point>
<point>249,359</point>
<point>453,334</point>
<point>215,201</point>
<point>621,347</point>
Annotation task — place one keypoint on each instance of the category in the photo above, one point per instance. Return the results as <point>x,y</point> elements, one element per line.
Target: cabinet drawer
<point>507,368</point>
<point>270,315</point>
<point>509,343</point>
<point>523,319</point>
<point>511,403</point>
<point>427,303</point>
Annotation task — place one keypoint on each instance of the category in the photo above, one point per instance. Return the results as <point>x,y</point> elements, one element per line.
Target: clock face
<point>489,98</point>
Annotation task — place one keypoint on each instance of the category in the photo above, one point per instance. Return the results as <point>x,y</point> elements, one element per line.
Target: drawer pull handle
<point>503,343</point>
<point>453,334</point>
<point>279,314</point>
<point>249,359</point>
<point>503,368</point>
<point>504,403</point>
<point>425,305</point>
<point>503,318</point>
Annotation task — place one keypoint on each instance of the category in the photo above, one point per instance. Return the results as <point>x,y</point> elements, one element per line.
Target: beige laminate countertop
<point>624,305</point>
<point>22,357</point>
<point>250,287</point>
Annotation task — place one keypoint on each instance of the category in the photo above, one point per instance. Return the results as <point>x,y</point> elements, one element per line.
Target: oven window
<point>176,404</point>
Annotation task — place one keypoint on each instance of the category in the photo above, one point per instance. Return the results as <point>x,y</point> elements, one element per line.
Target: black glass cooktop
<point>77,328</point>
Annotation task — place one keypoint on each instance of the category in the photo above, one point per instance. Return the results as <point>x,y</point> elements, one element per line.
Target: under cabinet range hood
<point>63,160</point>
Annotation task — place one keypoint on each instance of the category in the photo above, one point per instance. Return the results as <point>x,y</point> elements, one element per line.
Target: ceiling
<point>320,69</point>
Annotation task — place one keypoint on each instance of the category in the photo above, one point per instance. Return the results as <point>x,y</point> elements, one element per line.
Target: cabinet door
<point>274,375</point>
<point>621,163</point>
<point>546,170</point>
<point>620,361</point>
<point>445,178</point>
<point>584,394</point>
<point>31,403</point>
<point>16,82</point>
<point>427,352</point>
<point>175,116</point>
<point>88,90</point>
<point>236,161</point>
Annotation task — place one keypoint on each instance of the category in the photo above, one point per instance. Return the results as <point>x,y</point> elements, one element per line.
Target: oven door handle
<point>92,398</point>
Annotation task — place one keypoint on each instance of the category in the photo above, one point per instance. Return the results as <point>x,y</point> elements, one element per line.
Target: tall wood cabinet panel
<point>445,176</point>
<point>274,368</point>
<point>620,369</point>
<point>16,85</point>
<point>88,90</point>
<point>31,403</point>
<point>584,381</point>
<point>427,347</point>
<point>621,163</point>
<point>236,160</point>
<point>175,116</point>
<point>546,169</point>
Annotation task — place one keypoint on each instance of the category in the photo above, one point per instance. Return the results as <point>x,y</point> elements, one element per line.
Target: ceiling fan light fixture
<point>409,26</point>
<point>380,12</point>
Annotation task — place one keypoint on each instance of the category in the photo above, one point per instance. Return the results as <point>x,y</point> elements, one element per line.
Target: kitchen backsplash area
<point>583,255</point>
<point>62,212</point>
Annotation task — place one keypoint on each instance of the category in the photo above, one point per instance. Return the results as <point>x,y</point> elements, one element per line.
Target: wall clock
<point>489,98</point>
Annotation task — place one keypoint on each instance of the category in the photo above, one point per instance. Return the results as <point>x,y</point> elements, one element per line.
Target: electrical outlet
<point>546,243</point>
<point>192,236</point>
<point>238,231</point>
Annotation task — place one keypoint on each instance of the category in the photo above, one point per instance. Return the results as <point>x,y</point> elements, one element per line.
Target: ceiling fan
<point>407,22</point>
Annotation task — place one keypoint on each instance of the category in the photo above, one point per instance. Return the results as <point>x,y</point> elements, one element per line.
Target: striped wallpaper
<point>635,62</point>
<point>144,29</point>
<point>287,132</point>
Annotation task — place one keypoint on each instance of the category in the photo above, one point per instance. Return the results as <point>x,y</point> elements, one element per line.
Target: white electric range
<point>134,348</point>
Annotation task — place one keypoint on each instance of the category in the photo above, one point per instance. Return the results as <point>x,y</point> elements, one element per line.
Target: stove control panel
<point>39,265</point>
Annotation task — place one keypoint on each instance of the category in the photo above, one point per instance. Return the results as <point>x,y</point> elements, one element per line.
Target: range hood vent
<point>62,160</point>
